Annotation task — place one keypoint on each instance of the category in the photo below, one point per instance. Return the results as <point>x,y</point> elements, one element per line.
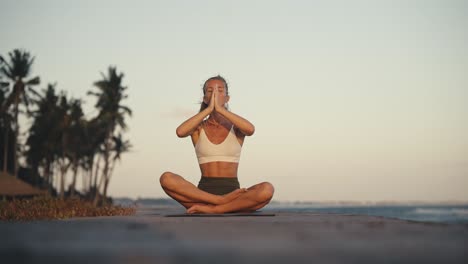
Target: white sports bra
<point>229,150</point>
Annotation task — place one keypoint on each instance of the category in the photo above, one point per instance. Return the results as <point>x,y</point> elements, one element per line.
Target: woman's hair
<point>219,78</point>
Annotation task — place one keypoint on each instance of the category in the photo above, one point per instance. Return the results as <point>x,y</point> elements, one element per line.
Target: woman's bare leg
<point>188,194</point>
<point>255,198</point>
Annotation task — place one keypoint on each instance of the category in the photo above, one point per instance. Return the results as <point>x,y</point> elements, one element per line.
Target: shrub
<point>47,208</point>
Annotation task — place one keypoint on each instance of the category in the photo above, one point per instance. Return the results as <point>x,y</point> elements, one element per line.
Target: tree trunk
<point>96,194</point>
<point>36,175</point>
<point>96,171</point>
<point>75,170</point>
<point>102,180</point>
<point>105,170</point>
<point>84,178</point>
<point>63,171</point>
<point>62,182</point>
<point>5,151</point>
<point>106,183</point>
<point>53,173</point>
<point>104,192</point>
<point>15,140</point>
<point>47,175</point>
<point>90,172</point>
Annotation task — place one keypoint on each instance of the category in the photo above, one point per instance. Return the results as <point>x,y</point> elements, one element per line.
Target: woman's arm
<point>241,123</point>
<point>191,124</point>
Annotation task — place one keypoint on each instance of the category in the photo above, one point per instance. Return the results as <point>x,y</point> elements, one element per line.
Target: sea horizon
<point>446,211</point>
<point>337,202</point>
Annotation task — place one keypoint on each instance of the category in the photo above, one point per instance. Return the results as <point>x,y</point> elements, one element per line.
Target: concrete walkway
<point>150,237</point>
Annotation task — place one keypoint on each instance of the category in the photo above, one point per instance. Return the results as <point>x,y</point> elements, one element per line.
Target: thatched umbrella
<point>12,186</point>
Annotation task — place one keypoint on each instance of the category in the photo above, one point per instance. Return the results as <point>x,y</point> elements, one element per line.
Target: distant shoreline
<point>448,212</point>
<point>314,203</point>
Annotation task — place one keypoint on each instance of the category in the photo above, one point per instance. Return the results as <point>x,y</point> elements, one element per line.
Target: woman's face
<point>219,86</point>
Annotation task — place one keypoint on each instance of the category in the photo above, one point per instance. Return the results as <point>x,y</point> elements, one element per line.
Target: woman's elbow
<point>250,131</point>
<point>180,133</point>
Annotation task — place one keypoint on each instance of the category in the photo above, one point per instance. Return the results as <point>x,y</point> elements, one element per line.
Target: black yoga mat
<point>221,215</point>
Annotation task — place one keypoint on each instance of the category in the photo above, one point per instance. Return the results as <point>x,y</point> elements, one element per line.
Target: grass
<point>49,208</point>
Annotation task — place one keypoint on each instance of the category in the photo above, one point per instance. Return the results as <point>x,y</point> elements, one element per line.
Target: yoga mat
<point>220,215</point>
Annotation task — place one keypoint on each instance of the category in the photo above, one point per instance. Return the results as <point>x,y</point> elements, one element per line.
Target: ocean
<point>446,213</point>
<point>422,212</point>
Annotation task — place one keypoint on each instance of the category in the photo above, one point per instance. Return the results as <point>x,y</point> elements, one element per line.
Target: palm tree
<point>17,70</point>
<point>111,114</point>
<point>44,134</point>
<point>119,146</point>
<point>76,135</point>
<point>93,137</point>
<point>5,125</point>
<point>55,136</point>
<point>65,139</point>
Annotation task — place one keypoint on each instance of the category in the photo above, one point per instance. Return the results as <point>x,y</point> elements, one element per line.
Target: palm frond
<point>121,123</point>
<point>126,109</point>
<point>93,93</point>
<point>34,81</point>
<point>31,90</point>
<point>20,63</point>
<point>7,72</point>
<point>25,99</point>
<point>27,103</point>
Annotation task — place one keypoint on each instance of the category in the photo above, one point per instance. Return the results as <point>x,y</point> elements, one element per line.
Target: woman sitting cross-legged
<point>217,135</point>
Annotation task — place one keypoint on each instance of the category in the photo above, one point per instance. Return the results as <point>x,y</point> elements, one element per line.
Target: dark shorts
<point>218,185</point>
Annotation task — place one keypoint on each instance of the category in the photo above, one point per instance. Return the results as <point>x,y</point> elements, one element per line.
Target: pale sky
<point>351,100</point>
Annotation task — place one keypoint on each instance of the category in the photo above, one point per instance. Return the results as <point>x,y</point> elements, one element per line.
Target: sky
<point>351,100</point>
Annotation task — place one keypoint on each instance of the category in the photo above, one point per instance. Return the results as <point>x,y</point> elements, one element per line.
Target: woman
<point>218,141</point>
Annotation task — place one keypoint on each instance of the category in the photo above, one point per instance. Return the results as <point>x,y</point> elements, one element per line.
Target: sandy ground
<point>150,237</point>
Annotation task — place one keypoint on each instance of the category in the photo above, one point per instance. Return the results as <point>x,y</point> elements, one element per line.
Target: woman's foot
<point>232,195</point>
<point>202,209</point>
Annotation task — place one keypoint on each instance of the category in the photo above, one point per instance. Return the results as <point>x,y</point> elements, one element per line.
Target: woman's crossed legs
<point>198,201</point>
